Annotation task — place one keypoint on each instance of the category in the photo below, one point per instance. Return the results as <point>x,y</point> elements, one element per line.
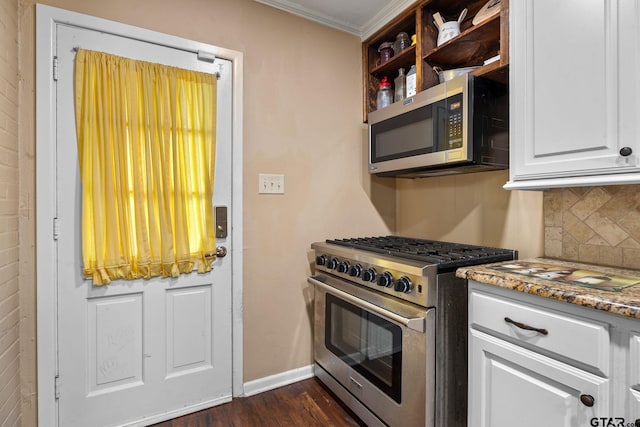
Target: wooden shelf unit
<point>474,45</point>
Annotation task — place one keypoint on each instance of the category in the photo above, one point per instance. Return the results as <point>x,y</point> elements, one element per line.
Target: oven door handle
<point>415,323</point>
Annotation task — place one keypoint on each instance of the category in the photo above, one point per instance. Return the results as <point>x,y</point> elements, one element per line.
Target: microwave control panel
<point>454,122</point>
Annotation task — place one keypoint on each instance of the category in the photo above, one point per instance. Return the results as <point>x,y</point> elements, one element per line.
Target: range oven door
<point>377,348</point>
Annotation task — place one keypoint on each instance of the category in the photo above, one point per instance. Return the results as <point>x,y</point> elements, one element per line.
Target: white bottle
<point>411,81</point>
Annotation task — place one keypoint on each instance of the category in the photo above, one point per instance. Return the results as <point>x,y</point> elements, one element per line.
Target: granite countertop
<point>614,290</point>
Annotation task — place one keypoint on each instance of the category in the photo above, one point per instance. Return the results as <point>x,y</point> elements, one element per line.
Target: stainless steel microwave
<point>459,126</point>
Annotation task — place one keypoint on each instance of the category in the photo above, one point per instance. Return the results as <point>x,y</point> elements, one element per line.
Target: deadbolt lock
<point>221,222</point>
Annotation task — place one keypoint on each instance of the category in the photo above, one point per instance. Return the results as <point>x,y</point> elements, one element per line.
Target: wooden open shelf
<point>405,60</point>
<point>474,45</point>
<point>471,47</point>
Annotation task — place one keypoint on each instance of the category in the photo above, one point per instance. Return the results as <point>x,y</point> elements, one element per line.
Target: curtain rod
<point>206,57</point>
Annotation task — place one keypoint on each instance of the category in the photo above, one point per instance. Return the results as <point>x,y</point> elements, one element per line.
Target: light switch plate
<point>270,183</point>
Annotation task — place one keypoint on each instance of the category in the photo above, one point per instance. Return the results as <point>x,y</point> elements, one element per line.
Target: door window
<point>146,145</point>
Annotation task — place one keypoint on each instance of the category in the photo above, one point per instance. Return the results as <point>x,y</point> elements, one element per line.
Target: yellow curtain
<point>146,146</point>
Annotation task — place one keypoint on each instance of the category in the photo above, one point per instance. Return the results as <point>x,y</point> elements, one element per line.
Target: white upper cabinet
<point>575,93</point>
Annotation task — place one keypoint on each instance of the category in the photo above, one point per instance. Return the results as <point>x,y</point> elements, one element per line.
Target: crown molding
<point>387,13</point>
<point>329,21</point>
<point>393,9</point>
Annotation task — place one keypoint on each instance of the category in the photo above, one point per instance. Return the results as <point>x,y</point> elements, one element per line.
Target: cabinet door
<point>574,97</point>
<point>511,386</point>
<point>629,60</point>
<point>633,384</point>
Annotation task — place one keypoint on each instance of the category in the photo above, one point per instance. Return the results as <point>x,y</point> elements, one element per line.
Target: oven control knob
<point>385,279</point>
<point>332,263</point>
<point>343,267</point>
<point>355,270</point>
<point>404,284</point>
<point>321,260</point>
<point>369,275</point>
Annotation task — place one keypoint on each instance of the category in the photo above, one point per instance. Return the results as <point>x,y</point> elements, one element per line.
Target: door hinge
<point>56,228</point>
<point>55,68</point>
<point>57,386</point>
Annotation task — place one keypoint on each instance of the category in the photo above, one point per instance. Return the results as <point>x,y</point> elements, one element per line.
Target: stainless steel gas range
<point>391,327</point>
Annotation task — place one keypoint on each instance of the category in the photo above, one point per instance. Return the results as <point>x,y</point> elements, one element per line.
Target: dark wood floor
<point>306,403</point>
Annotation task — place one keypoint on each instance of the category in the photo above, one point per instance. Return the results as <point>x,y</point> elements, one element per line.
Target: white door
<point>133,352</point>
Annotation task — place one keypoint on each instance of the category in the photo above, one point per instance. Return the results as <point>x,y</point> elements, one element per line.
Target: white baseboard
<point>278,380</point>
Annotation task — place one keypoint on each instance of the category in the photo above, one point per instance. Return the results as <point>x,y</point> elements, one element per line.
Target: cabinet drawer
<point>577,339</point>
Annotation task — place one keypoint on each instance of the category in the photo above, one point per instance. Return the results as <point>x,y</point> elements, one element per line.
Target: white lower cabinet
<point>633,384</point>
<point>515,386</point>
<point>634,399</point>
<point>536,362</point>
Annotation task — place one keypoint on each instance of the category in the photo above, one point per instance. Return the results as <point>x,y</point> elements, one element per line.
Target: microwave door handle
<point>415,323</point>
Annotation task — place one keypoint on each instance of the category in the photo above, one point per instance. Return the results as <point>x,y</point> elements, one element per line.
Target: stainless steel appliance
<point>390,327</point>
<point>461,125</point>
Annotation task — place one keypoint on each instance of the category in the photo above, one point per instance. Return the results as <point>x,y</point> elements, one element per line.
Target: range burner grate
<point>446,255</point>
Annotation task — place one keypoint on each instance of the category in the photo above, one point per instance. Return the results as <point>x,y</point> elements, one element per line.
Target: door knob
<point>221,252</point>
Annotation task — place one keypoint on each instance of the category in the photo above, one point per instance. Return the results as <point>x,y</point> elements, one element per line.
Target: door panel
<point>189,330</point>
<point>561,54</point>
<point>116,346</point>
<point>135,350</point>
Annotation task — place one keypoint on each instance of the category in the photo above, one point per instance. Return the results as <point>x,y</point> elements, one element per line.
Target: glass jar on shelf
<point>402,42</point>
<point>384,96</point>
<point>386,52</point>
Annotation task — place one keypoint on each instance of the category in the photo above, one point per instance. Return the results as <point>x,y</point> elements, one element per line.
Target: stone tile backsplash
<point>599,225</point>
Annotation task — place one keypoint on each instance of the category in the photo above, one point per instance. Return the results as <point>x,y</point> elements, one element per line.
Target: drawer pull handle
<point>587,400</point>
<point>526,327</point>
<point>355,382</point>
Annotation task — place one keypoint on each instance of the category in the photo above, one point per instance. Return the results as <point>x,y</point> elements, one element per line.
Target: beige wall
<point>599,225</point>
<point>302,118</point>
<point>472,208</point>
<point>10,412</point>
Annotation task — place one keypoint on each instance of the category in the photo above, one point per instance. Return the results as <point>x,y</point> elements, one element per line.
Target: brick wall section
<point>10,414</point>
